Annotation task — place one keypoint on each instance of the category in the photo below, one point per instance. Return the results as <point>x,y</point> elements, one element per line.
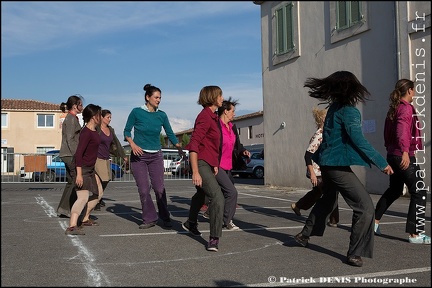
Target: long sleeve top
<point>343,141</point>
<point>70,135</point>
<point>87,149</point>
<point>205,139</point>
<point>402,134</point>
<point>147,128</point>
<point>227,145</point>
<point>314,144</point>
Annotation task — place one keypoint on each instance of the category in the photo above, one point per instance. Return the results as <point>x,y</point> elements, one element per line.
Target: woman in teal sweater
<point>147,158</point>
<point>343,145</point>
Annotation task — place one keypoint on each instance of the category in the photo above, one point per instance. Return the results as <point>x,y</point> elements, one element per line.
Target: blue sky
<point>107,52</point>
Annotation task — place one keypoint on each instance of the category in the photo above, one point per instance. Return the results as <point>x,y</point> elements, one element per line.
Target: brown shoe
<point>74,230</point>
<point>355,261</point>
<point>90,222</point>
<point>295,209</point>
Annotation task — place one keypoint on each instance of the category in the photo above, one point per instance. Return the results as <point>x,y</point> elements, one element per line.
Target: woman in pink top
<point>402,139</point>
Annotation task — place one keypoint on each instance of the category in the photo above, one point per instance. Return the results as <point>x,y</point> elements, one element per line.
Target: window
<point>347,18</point>
<point>45,120</point>
<point>43,150</point>
<point>5,120</point>
<point>285,33</point>
<point>250,132</point>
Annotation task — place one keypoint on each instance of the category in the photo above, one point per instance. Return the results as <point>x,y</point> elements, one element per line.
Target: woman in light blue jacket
<point>343,145</point>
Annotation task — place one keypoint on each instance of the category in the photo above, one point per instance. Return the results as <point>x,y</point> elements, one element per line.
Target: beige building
<point>380,42</point>
<point>28,126</point>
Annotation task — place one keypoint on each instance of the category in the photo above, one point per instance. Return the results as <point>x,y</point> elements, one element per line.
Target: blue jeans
<point>150,165</point>
<point>417,209</point>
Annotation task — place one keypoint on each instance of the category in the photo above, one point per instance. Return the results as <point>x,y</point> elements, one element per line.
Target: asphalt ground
<point>36,252</point>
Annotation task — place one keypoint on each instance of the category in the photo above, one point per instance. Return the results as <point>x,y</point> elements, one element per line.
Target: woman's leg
<point>211,188</point>
<point>394,191</point>
<point>141,175</point>
<point>356,196</point>
<point>156,172</point>
<point>78,206</point>
<point>230,194</point>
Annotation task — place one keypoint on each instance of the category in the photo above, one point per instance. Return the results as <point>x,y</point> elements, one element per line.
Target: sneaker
<point>295,209</point>
<point>75,230</point>
<point>206,215</point>
<point>231,226</point>
<point>334,225</point>
<point>168,223</point>
<point>101,203</point>
<point>213,244</point>
<point>147,225</point>
<point>420,239</point>
<point>377,229</point>
<point>192,228</point>
<point>302,240</point>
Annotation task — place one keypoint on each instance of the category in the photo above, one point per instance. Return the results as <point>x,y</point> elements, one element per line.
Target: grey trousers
<point>343,180</point>
<point>226,181</point>
<point>211,189</point>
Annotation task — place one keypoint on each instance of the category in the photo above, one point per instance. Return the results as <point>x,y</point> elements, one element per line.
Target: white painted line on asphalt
<point>95,277</point>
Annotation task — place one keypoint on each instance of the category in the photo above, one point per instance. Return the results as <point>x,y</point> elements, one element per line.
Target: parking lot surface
<point>36,252</point>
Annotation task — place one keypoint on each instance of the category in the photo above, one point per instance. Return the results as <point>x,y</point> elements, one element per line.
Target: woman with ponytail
<point>402,139</point>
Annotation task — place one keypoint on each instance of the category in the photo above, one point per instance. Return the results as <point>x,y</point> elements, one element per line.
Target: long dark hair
<point>342,87</point>
<point>401,88</point>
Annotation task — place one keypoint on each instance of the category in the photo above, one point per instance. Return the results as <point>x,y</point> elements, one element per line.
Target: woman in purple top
<point>110,145</point>
<point>402,139</point>
<point>204,160</point>
<point>86,180</point>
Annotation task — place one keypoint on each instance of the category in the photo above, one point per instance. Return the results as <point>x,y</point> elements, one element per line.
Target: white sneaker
<point>377,229</point>
<point>231,226</point>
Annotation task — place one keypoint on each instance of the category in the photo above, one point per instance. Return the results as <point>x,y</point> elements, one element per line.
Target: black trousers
<point>343,180</point>
<point>411,177</point>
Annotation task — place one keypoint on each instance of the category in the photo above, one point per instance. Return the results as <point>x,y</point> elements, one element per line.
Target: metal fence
<point>33,167</point>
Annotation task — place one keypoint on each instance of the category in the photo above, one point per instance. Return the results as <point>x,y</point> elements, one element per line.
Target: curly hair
<point>401,88</point>
<point>319,116</point>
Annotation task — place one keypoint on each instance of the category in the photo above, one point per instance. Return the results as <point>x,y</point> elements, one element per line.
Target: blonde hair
<point>319,116</point>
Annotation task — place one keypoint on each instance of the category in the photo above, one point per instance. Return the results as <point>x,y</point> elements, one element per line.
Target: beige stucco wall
<point>23,135</point>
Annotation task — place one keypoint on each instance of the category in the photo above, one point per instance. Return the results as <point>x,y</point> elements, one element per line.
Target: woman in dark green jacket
<point>343,145</point>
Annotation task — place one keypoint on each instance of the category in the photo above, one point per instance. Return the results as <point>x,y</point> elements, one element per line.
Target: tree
<point>162,140</point>
<point>185,140</point>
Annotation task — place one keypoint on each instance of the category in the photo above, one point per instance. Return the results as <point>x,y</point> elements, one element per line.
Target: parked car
<point>254,165</point>
<point>56,170</point>
<point>180,166</point>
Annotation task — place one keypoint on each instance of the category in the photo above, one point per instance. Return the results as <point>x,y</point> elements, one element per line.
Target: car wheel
<point>258,172</point>
<point>113,174</point>
<point>48,176</point>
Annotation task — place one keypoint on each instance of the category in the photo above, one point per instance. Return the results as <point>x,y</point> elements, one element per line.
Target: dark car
<point>254,165</point>
<point>56,170</point>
